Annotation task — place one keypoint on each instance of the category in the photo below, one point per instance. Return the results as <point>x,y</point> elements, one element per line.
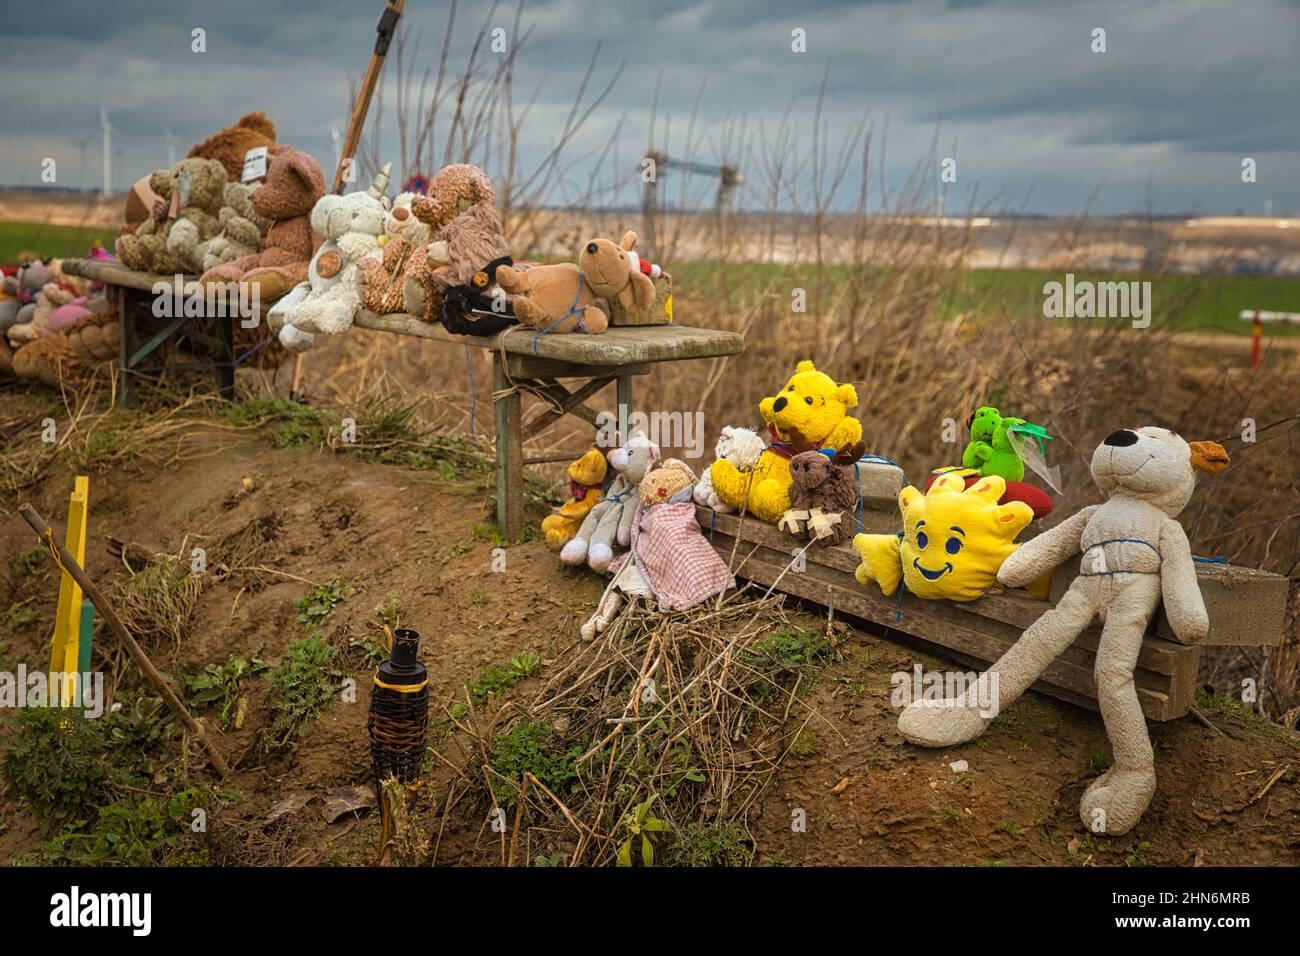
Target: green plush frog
<point>991,450</point>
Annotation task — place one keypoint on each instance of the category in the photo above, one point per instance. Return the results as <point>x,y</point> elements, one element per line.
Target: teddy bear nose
<point>1122,438</point>
<point>400,213</point>
<point>778,404</point>
<point>663,492</point>
<point>591,247</point>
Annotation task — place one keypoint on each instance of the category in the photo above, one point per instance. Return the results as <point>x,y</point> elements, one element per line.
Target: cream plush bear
<point>243,229</point>
<point>1134,553</point>
<point>740,446</point>
<point>328,301</point>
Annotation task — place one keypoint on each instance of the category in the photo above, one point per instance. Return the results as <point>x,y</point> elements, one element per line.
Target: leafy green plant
<point>307,677</point>
<point>321,600</point>
<point>497,679</point>
<point>525,748</point>
<point>55,762</point>
<point>711,843</point>
<point>389,610</point>
<point>222,685</point>
<point>640,823</point>
<point>787,649</point>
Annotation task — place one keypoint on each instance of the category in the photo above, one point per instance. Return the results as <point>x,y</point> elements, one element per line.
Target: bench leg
<point>623,389</point>
<point>226,360</point>
<point>127,346</point>
<point>510,455</point>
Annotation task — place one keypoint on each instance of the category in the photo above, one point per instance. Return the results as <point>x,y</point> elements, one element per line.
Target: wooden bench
<point>523,361</point>
<point>1246,607</point>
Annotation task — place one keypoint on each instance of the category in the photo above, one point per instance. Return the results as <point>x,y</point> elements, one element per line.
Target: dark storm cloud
<point>1185,89</point>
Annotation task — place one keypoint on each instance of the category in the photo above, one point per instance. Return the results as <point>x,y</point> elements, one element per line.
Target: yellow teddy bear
<point>954,540</point>
<point>586,474</point>
<point>810,412</point>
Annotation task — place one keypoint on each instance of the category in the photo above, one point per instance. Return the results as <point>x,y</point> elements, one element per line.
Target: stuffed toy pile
<point>954,540</point>
<point>191,195</point>
<point>809,413</point>
<point>742,447</point>
<point>568,298</point>
<point>669,564</point>
<point>461,235</point>
<point>243,229</point>
<point>1134,555</point>
<point>609,524</point>
<point>294,183</point>
<point>586,475</point>
<point>328,301</point>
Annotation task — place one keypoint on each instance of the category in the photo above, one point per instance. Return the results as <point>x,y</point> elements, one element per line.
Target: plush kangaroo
<point>1134,553</point>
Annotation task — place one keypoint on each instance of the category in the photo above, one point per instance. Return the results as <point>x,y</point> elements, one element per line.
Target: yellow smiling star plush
<point>954,540</point>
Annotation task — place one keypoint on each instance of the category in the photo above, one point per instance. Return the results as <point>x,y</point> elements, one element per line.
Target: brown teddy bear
<point>294,182</point>
<point>823,494</point>
<point>243,230</point>
<point>466,233</point>
<point>229,146</point>
<point>565,297</point>
<point>190,193</point>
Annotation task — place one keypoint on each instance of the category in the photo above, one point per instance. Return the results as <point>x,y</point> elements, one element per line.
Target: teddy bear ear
<point>1209,456</point>
<point>847,395</point>
<point>805,366</point>
<point>628,241</point>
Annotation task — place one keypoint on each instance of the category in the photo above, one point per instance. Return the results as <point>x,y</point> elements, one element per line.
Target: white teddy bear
<point>402,224</point>
<point>740,446</point>
<point>328,301</point>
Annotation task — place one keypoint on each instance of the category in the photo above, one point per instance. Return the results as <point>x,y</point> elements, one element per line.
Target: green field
<point>49,241</point>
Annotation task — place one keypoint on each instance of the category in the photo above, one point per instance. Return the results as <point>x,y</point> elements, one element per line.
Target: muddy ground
<point>867,796</point>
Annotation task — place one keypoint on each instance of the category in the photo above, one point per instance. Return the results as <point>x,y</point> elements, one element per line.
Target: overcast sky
<point>1185,90</point>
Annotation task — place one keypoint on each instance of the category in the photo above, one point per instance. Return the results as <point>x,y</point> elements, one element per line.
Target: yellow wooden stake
<point>67,622</point>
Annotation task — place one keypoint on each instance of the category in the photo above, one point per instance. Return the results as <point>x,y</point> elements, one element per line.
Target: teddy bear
<point>22,289</point>
<point>294,182</point>
<point>809,413</point>
<point>823,494</point>
<point>382,278</point>
<point>230,145</point>
<point>567,297</point>
<point>243,228</point>
<point>955,538</point>
<point>586,474</point>
<point>479,306</point>
<point>1134,555</point>
<point>464,235</point>
<point>78,350</point>
<point>328,301</point>
<point>669,563</point>
<point>740,446</point>
<point>190,192</point>
<point>610,522</point>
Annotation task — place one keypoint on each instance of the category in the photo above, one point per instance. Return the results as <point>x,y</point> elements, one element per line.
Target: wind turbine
<point>170,140</point>
<point>106,129</point>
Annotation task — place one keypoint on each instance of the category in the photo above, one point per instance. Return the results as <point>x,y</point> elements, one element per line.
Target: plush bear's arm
<point>1039,555</point>
<point>847,432</point>
<point>638,295</point>
<point>354,245</point>
<point>625,521</point>
<point>1184,606</point>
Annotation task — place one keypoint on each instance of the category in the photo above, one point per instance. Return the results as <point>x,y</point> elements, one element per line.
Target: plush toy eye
<point>953,545</point>
<point>808,399</point>
<point>790,388</point>
<point>922,540</point>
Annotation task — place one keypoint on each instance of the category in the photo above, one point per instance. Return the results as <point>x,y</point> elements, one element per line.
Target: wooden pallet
<point>977,633</point>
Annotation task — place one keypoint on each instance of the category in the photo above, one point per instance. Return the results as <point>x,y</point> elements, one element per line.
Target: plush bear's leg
<point>1116,800</point>
<point>730,484</point>
<point>943,724</point>
<point>609,606</point>
<point>768,500</point>
<point>601,552</point>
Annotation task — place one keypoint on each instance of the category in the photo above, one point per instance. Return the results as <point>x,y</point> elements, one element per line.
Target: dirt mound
<point>297,542</point>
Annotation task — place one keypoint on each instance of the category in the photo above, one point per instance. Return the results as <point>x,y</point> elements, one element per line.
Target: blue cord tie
<point>573,311</point>
<point>1217,560</point>
<point>1098,574</point>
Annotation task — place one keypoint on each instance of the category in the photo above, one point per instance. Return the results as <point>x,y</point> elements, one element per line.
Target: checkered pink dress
<point>681,567</point>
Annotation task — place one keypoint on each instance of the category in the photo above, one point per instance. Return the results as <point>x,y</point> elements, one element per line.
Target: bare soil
<point>868,798</point>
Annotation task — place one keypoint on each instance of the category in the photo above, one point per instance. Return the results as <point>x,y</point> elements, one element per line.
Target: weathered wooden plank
<point>614,346</point>
<point>510,455</point>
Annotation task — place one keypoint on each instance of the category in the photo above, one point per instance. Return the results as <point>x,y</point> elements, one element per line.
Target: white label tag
<point>254,164</point>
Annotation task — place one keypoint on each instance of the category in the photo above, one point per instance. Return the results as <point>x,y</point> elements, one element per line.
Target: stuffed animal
<point>27,285</point>
<point>1000,446</point>
<point>294,182</point>
<point>566,297</point>
<point>954,540</point>
<point>465,235</point>
<point>669,562</point>
<point>610,522</point>
<point>329,300</point>
<point>586,475</point>
<point>243,229</point>
<point>1134,555</point>
<point>190,193</point>
<point>742,447</point>
<point>480,306</point>
<point>231,144</point>
<point>823,494</point>
<point>809,413</point>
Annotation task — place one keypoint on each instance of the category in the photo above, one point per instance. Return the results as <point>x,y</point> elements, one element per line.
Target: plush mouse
<point>609,524</point>
<point>823,494</point>
<point>568,298</point>
<point>1134,555</point>
<point>742,447</point>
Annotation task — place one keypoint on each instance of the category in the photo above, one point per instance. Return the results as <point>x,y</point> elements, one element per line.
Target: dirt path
<point>389,530</point>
